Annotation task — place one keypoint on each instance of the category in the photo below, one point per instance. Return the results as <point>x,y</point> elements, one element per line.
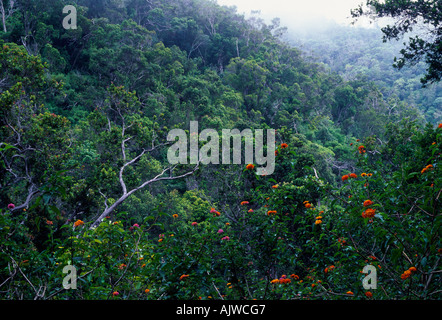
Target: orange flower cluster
<point>294,276</point>
<point>318,220</point>
<point>347,176</point>
<point>243,203</point>
<point>368,203</point>
<point>215,213</point>
<point>283,279</point>
<point>250,166</point>
<point>363,174</point>
<point>284,145</point>
<point>361,149</point>
<point>440,125</point>
<point>271,212</point>
<point>430,166</point>
<point>275,186</point>
<point>307,204</point>
<point>78,223</point>
<point>408,273</point>
<point>175,215</point>
<point>369,213</point>
<point>330,268</point>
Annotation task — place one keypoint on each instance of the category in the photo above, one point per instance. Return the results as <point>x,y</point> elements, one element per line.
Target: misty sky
<point>296,12</point>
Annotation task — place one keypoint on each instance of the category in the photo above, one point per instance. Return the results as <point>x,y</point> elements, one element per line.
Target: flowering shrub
<point>320,235</point>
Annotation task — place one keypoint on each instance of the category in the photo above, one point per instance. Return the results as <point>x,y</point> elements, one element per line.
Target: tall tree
<point>408,15</point>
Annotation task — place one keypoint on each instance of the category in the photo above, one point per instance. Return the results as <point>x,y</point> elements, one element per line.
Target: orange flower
<point>184,276</point>
<point>353,175</point>
<point>284,145</point>
<point>440,125</point>
<point>78,223</point>
<point>274,281</point>
<point>49,222</point>
<point>294,276</point>
<point>147,291</point>
<point>250,166</point>
<point>250,211</point>
<point>344,177</point>
<point>271,212</point>
<point>275,186</point>
<point>412,269</point>
<point>361,149</point>
<point>363,174</point>
<point>369,213</point>
<point>406,274</point>
<point>308,205</point>
<point>349,292</point>
<point>369,294</point>
<point>244,203</point>
<point>368,203</point>
<point>318,221</point>
<point>175,215</point>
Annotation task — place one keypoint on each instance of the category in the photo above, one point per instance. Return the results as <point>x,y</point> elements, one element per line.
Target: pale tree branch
<point>126,194</point>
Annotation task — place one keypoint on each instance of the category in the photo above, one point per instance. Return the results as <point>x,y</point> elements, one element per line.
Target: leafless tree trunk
<point>126,194</point>
<point>6,12</point>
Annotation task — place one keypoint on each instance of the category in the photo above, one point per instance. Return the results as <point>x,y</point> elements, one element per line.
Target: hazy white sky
<point>287,10</point>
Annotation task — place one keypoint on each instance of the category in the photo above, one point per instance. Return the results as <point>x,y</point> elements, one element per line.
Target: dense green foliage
<point>84,118</point>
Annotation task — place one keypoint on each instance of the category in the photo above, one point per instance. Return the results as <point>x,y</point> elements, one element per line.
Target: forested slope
<point>85,115</point>
<point>357,52</point>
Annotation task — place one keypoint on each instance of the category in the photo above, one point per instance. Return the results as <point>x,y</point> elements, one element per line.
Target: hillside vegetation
<point>85,178</point>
